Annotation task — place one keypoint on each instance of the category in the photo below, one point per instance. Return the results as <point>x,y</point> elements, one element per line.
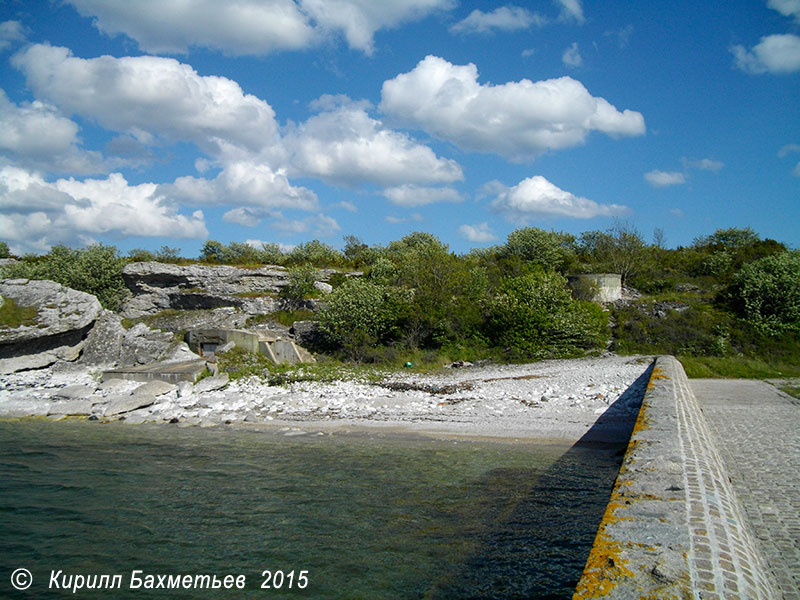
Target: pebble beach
<point>589,399</point>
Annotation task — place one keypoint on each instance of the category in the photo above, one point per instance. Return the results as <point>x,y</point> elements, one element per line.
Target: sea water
<point>325,516</point>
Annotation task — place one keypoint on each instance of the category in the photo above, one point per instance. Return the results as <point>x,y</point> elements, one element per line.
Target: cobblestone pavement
<point>758,434</point>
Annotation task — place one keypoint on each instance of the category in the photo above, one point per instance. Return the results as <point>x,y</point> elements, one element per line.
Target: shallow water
<point>365,516</point>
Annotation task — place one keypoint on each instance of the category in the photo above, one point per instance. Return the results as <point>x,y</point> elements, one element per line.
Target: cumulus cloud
<point>537,197</point>
<point>779,54</point>
<point>346,146</point>
<point>151,98</point>
<point>479,234</point>
<point>409,195</point>
<point>571,10</point>
<point>505,18</point>
<point>251,26</point>
<point>658,178</point>
<point>572,56</point>
<point>788,8</point>
<point>11,32</point>
<point>36,135</point>
<point>519,120</point>
<point>245,184</point>
<point>37,213</point>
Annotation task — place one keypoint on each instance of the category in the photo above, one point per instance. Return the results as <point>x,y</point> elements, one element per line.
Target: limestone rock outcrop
<point>157,286</point>
<point>58,330</point>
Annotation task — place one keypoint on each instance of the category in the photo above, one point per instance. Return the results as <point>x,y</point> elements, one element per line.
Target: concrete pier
<point>758,430</point>
<point>674,526</point>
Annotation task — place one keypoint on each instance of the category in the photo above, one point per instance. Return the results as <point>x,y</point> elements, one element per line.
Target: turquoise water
<point>365,517</point>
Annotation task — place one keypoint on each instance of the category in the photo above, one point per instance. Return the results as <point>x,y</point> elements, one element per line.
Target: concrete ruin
<point>279,350</point>
<point>597,287</point>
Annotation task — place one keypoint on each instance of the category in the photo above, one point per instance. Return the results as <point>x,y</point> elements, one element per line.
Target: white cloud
<point>251,26</point>
<point>37,213</point>
<point>10,32</point>
<point>705,164</point>
<point>658,178</point>
<point>787,8</point>
<point>537,197</point>
<point>36,135</point>
<point>358,20</point>
<point>789,149</point>
<point>346,146</point>
<point>151,98</point>
<point>505,18</point>
<point>259,244</point>
<point>409,195</point>
<point>346,205</point>
<point>411,218</point>
<point>571,10</point>
<point>242,184</point>
<point>318,225</point>
<point>479,234</point>
<point>519,120</point>
<point>677,212</point>
<point>572,56</point>
<point>778,54</point>
<point>622,35</point>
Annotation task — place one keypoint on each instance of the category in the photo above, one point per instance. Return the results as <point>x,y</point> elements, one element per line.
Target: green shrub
<point>766,292</point>
<point>301,283</point>
<point>534,316</point>
<point>96,270</point>
<point>361,314</point>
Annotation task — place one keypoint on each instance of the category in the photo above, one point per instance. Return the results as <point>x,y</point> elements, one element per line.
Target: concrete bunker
<point>280,350</point>
<point>597,287</point>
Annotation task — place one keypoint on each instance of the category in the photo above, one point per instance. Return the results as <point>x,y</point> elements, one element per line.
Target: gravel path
<point>594,398</point>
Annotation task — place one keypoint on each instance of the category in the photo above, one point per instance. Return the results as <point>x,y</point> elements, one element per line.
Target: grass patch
<point>12,315</point>
<point>792,390</point>
<point>239,363</point>
<point>150,319</point>
<point>256,294</point>
<point>284,317</point>
<point>736,367</point>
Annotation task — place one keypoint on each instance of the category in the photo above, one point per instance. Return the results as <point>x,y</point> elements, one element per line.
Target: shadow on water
<point>537,544</point>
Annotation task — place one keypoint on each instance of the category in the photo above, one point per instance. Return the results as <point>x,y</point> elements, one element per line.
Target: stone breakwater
<point>674,527</point>
<point>595,399</point>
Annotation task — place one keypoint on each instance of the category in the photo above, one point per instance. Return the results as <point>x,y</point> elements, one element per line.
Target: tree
<point>550,249</point>
<point>619,249</point>
<point>4,251</point>
<point>212,252</point>
<point>728,239</point>
<point>166,254</point>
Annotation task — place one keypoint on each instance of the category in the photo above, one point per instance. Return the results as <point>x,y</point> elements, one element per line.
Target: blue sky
<point>155,122</point>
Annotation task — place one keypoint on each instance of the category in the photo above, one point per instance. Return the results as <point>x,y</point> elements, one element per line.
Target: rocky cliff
<point>157,286</point>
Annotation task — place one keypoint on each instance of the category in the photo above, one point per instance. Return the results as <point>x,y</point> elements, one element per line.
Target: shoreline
<point>556,401</point>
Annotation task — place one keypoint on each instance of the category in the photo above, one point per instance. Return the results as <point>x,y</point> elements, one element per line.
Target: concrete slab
<point>169,372</point>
